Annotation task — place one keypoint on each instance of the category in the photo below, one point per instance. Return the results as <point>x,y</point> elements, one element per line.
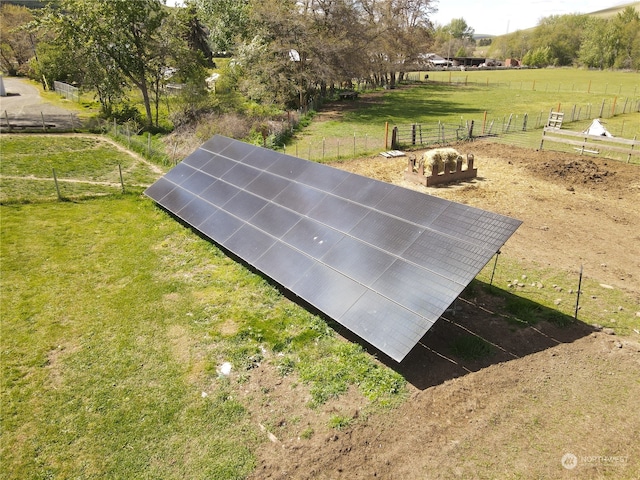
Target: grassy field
<point>114,321</point>
<point>483,96</point>
<point>84,166</point>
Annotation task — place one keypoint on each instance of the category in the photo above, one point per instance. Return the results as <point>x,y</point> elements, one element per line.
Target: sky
<point>497,17</point>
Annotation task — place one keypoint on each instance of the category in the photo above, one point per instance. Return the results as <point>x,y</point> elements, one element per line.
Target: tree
<point>228,22</point>
<point>459,29</point>
<point>562,34</point>
<point>626,38</point>
<point>17,44</point>
<point>595,49</point>
<point>122,36</point>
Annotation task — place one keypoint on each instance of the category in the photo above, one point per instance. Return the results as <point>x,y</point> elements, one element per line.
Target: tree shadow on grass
<point>408,105</point>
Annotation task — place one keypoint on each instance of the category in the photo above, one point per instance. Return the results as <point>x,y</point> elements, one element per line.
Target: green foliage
<point>16,44</point>
<point>540,57</point>
<point>340,422</point>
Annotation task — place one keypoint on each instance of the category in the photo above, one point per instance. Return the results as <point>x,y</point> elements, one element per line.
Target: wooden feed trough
<point>415,173</point>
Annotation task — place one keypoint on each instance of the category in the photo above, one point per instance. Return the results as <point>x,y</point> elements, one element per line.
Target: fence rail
<point>583,142</point>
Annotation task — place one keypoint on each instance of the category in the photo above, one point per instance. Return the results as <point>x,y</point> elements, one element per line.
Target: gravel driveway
<point>24,109</point>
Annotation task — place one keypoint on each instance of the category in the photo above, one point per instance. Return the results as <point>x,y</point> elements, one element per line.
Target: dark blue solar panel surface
<point>382,260</point>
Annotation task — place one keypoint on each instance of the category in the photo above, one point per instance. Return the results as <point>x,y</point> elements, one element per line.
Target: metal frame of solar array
<point>382,260</point>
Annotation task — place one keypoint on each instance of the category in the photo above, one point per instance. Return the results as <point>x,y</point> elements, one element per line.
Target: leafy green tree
<point>626,38</point>
<point>120,35</point>
<point>17,44</point>
<point>458,28</point>
<point>596,48</point>
<point>228,22</point>
<point>563,35</point>
<point>539,57</point>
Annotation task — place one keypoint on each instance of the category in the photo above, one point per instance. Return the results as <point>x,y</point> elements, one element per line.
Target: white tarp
<point>596,128</point>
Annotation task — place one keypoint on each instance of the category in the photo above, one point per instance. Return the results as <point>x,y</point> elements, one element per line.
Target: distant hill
<point>604,13</point>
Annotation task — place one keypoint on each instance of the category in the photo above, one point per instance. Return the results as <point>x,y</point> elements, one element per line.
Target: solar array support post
<point>495,264</point>
<point>575,315</point>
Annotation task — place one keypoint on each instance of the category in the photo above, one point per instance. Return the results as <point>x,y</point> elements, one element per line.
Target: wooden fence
<point>591,143</point>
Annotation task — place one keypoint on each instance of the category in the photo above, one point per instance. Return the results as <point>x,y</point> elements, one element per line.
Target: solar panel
<point>382,260</point>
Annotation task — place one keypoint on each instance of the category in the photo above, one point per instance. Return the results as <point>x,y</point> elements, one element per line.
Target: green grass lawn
<point>481,96</point>
<point>83,165</point>
<point>114,321</point>
<point>115,318</point>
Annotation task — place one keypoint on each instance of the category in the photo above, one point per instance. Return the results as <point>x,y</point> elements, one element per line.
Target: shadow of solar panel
<point>381,260</point>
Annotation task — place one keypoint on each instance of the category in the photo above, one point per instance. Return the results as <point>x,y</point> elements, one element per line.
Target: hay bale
<point>439,157</point>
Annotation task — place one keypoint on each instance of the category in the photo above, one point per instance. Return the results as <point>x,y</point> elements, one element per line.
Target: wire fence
<point>458,77</point>
<point>515,125</point>
<point>67,91</point>
<point>330,149</point>
<point>145,144</point>
<point>65,185</point>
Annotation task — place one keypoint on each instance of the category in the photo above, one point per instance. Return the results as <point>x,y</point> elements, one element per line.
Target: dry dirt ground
<point>550,402</point>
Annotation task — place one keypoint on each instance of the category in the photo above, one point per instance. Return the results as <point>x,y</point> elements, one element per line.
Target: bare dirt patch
<point>543,392</point>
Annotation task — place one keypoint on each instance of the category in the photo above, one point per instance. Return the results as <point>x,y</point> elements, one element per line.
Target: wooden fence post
<point>55,180</point>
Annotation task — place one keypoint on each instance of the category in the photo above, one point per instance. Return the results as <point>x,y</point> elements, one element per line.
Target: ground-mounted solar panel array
<point>382,260</point>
